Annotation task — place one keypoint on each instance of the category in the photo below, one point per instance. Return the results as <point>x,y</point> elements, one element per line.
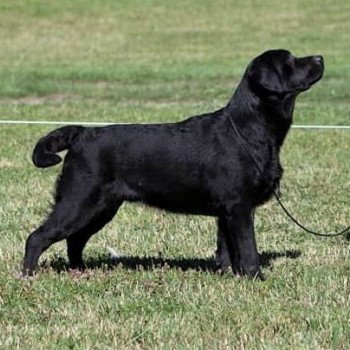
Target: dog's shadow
<point>59,264</point>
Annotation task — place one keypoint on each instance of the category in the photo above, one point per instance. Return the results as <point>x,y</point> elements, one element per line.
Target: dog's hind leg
<point>77,211</point>
<point>38,241</point>
<point>77,241</point>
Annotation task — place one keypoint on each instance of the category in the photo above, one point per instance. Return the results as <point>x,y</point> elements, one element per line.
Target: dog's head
<point>277,73</point>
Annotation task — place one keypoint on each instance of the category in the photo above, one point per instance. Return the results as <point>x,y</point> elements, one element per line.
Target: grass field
<point>151,61</point>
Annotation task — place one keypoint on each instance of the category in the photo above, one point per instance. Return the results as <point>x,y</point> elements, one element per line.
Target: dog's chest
<point>268,178</point>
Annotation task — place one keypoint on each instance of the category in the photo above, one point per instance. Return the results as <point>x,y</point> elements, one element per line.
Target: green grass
<point>150,61</point>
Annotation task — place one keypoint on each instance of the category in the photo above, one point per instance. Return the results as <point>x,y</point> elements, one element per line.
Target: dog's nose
<point>318,59</point>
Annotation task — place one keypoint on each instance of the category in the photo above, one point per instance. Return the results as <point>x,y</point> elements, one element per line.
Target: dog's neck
<point>274,114</point>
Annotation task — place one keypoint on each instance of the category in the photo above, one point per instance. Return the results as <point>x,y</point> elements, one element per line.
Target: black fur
<point>197,166</point>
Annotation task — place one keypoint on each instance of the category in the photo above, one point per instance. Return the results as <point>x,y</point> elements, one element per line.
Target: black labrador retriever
<point>222,164</point>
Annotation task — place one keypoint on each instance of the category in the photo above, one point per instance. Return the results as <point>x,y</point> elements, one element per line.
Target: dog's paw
<point>251,273</point>
<point>24,276</point>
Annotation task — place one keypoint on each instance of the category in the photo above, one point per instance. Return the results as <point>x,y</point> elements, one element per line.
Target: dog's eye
<point>290,63</point>
<point>288,69</point>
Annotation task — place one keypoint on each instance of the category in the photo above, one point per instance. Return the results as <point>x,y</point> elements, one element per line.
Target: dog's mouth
<point>314,74</point>
<point>319,68</point>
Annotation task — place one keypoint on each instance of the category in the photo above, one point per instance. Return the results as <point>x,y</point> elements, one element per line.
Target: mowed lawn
<point>159,61</point>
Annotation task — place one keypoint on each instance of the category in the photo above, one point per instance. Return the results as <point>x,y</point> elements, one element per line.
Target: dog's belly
<point>171,191</point>
<point>183,204</point>
<point>178,200</point>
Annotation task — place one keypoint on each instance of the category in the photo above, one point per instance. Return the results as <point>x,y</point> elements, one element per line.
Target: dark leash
<point>286,211</point>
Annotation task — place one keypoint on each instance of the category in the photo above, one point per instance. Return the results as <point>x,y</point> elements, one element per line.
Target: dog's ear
<point>263,75</point>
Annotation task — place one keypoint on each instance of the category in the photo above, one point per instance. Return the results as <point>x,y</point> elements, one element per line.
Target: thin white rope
<point>47,122</point>
<point>340,127</point>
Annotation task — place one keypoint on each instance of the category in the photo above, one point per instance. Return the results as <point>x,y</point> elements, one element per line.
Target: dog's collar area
<point>276,195</point>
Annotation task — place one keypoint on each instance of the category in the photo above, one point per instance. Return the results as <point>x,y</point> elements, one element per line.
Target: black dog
<point>207,165</point>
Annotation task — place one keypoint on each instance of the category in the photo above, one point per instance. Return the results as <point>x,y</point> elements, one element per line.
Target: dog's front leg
<point>225,249</point>
<point>240,223</point>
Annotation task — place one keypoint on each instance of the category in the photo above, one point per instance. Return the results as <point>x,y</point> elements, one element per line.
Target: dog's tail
<point>44,154</point>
